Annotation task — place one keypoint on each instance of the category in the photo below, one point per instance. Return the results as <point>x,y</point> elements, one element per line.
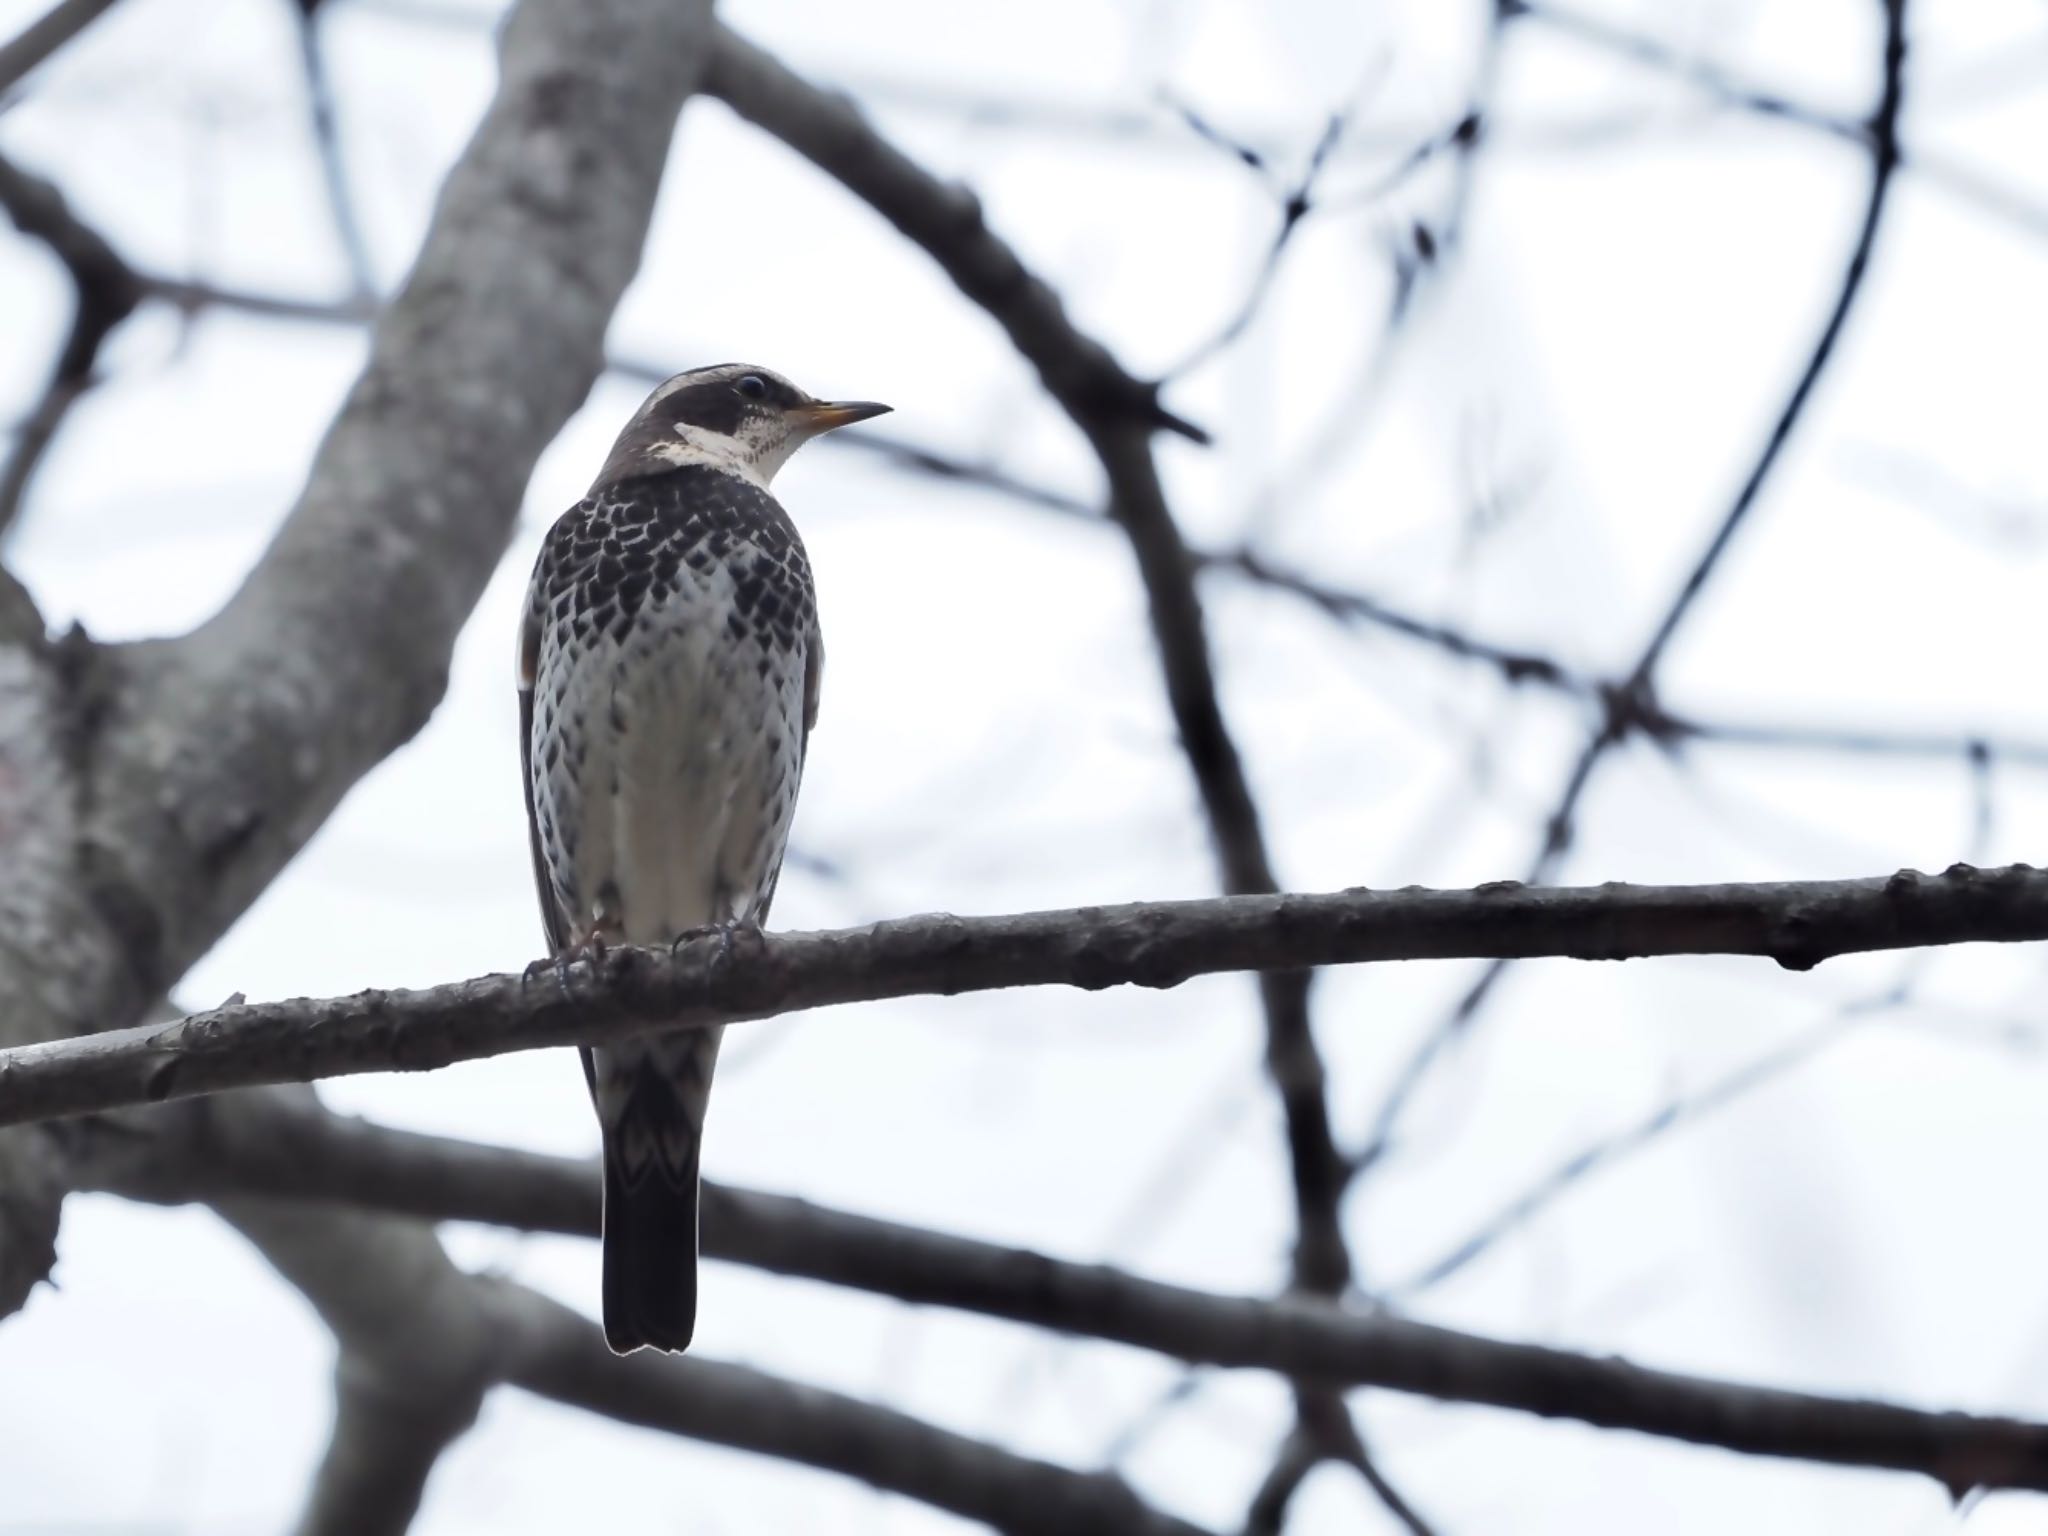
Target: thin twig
<point>42,37</point>
<point>1628,707</point>
<point>105,294</point>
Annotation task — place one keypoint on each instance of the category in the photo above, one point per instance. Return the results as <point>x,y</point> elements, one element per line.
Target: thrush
<point>669,666</point>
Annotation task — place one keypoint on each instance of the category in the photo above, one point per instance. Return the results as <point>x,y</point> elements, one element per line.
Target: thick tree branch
<point>422,1342</point>
<point>1152,944</point>
<point>217,754</point>
<point>277,1143</point>
<point>415,1353</point>
<point>193,769</point>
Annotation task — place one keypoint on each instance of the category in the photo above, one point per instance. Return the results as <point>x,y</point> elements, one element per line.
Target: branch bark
<point>215,756</point>
<point>277,1144</point>
<point>106,293</point>
<point>1118,416</point>
<point>182,774</point>
<point>1151,944</point>
<point>561,1355</point>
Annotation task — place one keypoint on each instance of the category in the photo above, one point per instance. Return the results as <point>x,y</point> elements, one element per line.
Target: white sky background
<point>1598,369</point>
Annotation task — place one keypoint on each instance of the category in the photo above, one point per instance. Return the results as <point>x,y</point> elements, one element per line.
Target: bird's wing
<point>530,621</point>
<point>814,681</point>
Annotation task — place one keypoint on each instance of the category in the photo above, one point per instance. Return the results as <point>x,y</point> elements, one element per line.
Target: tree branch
<point>42,37</point>
<point>106,293</point>
<point>216,755</point>
<point>415,1354</point>
<point>561,1355</point>
<point>1151,944</point>
<point>280,1144</point>
<point>1630,705</point>
<point>1117,415</point>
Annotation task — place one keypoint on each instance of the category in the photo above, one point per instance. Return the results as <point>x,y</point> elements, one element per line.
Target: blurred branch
<point>422,1343</point>
<point>187,772</point>
<point>705,980</point>
<point>1296,203</point>
<point>1516,665</point>
<point>561,1355</point>
<point>1324,1431</point>
<point>105,294</point>
<point>44,36</point>
<point>1630,706</point>
<point>1727,89</point>
<point>279,1144</point>
<point>415,1357</point>
<point>1299,200</point>
<point>946,221</point>
<point>1099,397</point>
<point>214,756</point>
<point>1673,1115</point>
<point>326,129</point>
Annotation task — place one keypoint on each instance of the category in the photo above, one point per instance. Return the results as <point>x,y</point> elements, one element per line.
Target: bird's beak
<point>824,415</point>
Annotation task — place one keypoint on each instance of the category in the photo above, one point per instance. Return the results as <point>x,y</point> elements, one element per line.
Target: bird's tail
<point>651,1141</point>
<point>650,1257</point>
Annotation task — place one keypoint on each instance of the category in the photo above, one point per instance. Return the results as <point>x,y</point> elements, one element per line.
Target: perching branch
<point>1151,944</point>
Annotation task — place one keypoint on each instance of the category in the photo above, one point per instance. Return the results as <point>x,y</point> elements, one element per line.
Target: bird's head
<point>735,417</point>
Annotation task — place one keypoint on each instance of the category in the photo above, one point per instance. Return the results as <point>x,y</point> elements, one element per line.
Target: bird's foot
<point>726,933</point>
<point>592,949</point>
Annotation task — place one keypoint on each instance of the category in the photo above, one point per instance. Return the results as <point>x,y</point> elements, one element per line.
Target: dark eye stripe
<point>712,405</point>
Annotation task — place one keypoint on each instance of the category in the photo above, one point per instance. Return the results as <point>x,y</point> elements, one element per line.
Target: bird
<point>669,667</point>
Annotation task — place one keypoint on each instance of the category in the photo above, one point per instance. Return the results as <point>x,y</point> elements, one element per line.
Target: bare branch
<point>1152,944</point>
<point>416,1354</point>
<point>1884,162</point>
<point>422,1343</point>
<point>283,1144</point>
<point>44,36</point>
<point>1630,706</point>
<point>561,1355</point>
<point>320,109</point>
<point>943,220</point>
<point>1118,416</point>
<point>1951,175</point>
<point>106,293</point>
<point>216,755</point>
<point>1567,1175</point>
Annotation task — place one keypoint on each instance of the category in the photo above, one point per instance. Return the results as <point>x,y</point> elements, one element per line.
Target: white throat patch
<point>753,461</point>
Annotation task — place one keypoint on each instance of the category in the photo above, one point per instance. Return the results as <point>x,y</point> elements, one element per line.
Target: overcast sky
<point>1538,458</point>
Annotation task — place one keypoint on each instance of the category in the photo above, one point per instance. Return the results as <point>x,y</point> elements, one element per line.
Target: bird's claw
<point>592,949</point>
<point>726,933</point>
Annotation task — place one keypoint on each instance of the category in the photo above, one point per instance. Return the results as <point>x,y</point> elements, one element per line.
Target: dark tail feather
<point>650,1257</point>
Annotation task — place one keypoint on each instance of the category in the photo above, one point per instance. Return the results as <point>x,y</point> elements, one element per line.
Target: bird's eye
<point>753,386</point>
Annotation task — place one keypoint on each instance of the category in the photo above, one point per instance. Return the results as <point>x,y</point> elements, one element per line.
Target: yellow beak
<point>825,415</point>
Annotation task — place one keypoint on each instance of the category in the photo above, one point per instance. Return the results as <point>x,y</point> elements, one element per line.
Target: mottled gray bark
<point>151,791</point>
